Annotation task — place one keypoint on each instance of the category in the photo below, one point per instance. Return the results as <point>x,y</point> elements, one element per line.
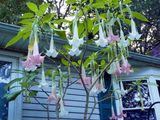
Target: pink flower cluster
<point>117,70</point>
<point>33,60</point>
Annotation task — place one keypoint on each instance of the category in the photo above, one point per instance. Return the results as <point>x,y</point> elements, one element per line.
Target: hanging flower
<point>123,91</point>
<point>102,41</point>
<point>100,85</point>
<point>111,37</point>
<point>43,82</point>
<point>63,112</point>
<point>53,95</point>
<point>126,67</point>
<point>122,115</point>
<point>52,51</point>
<point>113,117</point>
<point>76,41</point>
<point>94,90</point>
<point>86,80</point>
<point>134,32</point>
<point>112,68</point>
<point>117,71</point>
<point>123,43</point>
<point>33,60</point>
<point>74,51</point>
<point>36,58</point>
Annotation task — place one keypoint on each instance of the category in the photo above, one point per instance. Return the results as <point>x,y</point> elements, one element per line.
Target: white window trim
<point>153,94</point>
<point>15,107</point>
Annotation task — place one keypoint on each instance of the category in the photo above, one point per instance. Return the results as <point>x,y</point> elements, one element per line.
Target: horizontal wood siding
<point>74,102</point>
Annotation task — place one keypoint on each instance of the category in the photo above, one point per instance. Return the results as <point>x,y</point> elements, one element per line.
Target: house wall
<point>74,102</point>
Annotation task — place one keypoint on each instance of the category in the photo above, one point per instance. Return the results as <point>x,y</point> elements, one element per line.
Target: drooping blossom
<point>123,91</point>
<point>123,43</point>
<point>63,111</point>
<point>118,70</point>
<point>122,115</point>
<point>115,68</point>
<point>111,37</point>
<point>53,96</point>
<point>100,85</point>
<point>94,90</point>
<point>113,117</point>
<point>126,67</point>
<point>134,32</point>
<point>112,68</point>
<point>102,41</point>
<point>86,80</point>
<point>52,51</point>
<point>43,82</point>
<point>76,41</point>
<point>34,59</point>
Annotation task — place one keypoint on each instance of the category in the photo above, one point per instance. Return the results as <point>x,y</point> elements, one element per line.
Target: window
<point>133,101</point>
<point>5,72</point>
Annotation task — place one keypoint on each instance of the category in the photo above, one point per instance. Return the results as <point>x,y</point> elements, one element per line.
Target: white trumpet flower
<point>63,111</point>
<point>123,43</point>
<point>43,82</point>
<point>134,32</point>
<point>52,51</point>
<point>102,41</point>
<point>76,41</point>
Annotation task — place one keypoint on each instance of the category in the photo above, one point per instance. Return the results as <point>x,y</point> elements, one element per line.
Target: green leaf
<point>59,21</point>
<point>33,93</point>
<point>12,82</point>
<point>61,34</point>
<point>14,40</point>
<point>139,16</point>
<point>27,15</point>
<point>47,18</point>
<point>12,96</point>
<point>71,1</point>
<point>64,62</point>
<point>33,7</point>
<point>98,5</point>
<point>42,9</point>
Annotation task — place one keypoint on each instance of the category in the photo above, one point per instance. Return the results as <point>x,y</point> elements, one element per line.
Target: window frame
<point>14,107</point>
<point>153,91</point>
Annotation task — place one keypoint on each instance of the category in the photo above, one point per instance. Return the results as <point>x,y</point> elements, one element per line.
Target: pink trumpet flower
<point>126,67</point>
<point>111,37</point>
<point>86,80</point>
<point>53,96</point>
<point>113,117</point>
<point>63,112</point>
<point>122,115</point>
<point>118,70</point>
<point>33,60</point>
<point>36,58</point>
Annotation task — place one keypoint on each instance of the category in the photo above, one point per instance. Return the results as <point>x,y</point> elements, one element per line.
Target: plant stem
<point>86,106</point>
